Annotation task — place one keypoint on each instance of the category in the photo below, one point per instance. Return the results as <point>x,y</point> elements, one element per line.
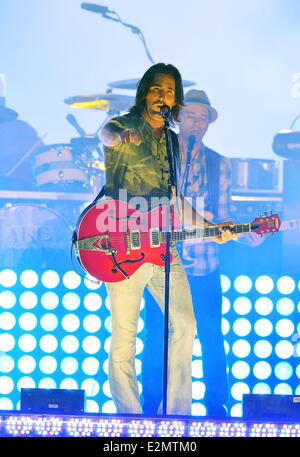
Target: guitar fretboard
<point>206,232</point>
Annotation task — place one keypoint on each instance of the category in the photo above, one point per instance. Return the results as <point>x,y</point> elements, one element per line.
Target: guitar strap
<point>100,194</point>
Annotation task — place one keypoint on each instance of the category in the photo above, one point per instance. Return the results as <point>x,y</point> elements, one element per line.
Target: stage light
<point>26,364</point>
<point>91,387</point>
<point>70,344</point>
<point>225,326</point>
<point>284,328</point>
<point>197,351</point>
<point>263,306</point>
<point>107,324</point>
<point>138,366</point>
<point>70,322</point>
<point>29,279</point>
<point>7,321</point>
<point>48,343</point>
<point>92,301</point>
<point>91,344</point>
<point>262,349</point>
<point>141,325</point>
<point>284,349</point>
<point>283,389</point>
<point>6,403</point>
<point>47,383</point>
<point>49,300</point>
<point>262,370</point>
<point>286,285</point>
<point>71,301</point>
<point>90,366</point>
<point>241,348</point>
<point>107,344</point>
<point>236,410</point>
<point>242,305</point>
<point>26,382</point>
<point>198,390</point>
<point>225,305</point>
<point>27,343</point>
<point>28,299</point>
<point>49,322</point>
<point>225,283</point>
<point>92,323</point>
<point>69,365</point>
<point>7,299</point>
<point>68,383</point>
<point>48,364</point>
<point>263,327</point>
<point>283,370</point>
<point>8,278</point>
<point>50,279</point>
<point>109,407</point>
<point>7,363</point>
<point>71,280</point>
<point>106,389</point>
<point>198,409</point>
<point>240,369</point>
<point>264,284</point>
<point>261,388</point>
<point>285,306</point>
<point>242,284</point>
<point>242,326</point>
<point>27,321</point>
<point>7,342</point>
<point>197,370</point>
<point>239,389</point>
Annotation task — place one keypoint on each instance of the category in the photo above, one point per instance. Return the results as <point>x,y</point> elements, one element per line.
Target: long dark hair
<point>147,80</point>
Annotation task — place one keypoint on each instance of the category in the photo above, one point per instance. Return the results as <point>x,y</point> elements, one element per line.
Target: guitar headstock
<point>266,224</point>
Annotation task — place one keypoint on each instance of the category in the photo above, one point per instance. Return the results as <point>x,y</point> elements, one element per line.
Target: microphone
<point>165,111</point>
<point>191,142</point>
<point>75,124</point>
<point>95,8</point>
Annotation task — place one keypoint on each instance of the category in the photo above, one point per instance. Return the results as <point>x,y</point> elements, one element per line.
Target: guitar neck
<point>206,232</point>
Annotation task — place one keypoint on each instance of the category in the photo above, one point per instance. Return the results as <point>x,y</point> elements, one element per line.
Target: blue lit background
<point>55,326</point>
<point>55,333</point>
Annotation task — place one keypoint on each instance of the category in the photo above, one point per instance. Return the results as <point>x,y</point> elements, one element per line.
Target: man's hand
<point>225,234</point>
<point>130,136</point>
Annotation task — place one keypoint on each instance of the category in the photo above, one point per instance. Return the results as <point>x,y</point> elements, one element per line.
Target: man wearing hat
<point>207,174</point>
<point>17,139</point>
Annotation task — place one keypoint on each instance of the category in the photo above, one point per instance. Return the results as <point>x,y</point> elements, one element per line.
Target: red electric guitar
<point>114,239</point>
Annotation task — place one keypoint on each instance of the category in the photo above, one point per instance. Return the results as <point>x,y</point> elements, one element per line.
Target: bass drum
<point>33,236</point>
<point>55,169</point>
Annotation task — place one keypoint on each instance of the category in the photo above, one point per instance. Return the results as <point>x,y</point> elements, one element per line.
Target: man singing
<point>136,161</point>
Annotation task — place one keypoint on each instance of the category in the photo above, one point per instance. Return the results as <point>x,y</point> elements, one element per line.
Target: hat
<point>200,97</point>
<point>6,114</point>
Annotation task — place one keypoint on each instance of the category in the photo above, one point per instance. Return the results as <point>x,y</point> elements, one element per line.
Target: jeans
<point>124,299</point>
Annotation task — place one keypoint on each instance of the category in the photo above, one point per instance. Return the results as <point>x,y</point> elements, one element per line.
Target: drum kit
<point>66,176</point>
<point>79,166</point>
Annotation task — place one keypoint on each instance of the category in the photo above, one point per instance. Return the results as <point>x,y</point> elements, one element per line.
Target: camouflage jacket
<point>142,170</point>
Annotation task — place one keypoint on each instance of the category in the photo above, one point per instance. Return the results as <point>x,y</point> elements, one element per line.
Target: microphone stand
<point>171,194</point>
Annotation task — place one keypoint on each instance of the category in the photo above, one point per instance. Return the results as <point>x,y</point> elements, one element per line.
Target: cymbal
<point>132,84</point>
<point>112,103</point>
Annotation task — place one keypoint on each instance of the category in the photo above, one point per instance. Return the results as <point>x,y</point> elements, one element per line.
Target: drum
<point>55,169</point>
<point>33,235</point>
